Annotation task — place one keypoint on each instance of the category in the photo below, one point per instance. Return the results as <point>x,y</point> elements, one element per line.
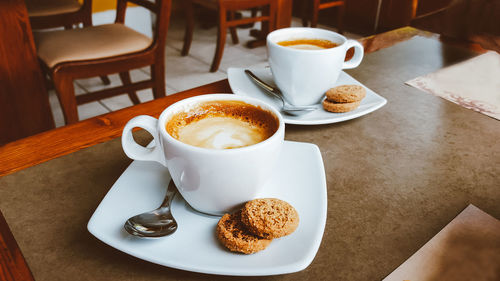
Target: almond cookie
<point>346,93</point>
<point>233,234</point>
<point>270,217</point>
<point>340,107</point>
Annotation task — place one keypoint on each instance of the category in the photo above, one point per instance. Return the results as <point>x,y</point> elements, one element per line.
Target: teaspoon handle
<point>169,196</point>
<point>263,84</point>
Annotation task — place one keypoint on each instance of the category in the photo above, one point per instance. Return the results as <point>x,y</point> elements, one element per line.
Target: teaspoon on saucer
<point>275,92</point>
<point>156,223</point>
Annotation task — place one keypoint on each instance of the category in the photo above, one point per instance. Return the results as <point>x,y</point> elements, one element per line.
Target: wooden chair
<point>105,49</point>
<point>310,12</point>
<point>226,19</point>
<point>55,13</point>
<point>45,14</point>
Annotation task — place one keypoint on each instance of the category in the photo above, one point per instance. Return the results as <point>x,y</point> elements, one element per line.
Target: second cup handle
<point>136,151</point>
<point>358,54</point>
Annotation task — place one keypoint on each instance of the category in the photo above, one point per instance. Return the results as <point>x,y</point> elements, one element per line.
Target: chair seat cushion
<point>88,43</point>
<point>42,8</point>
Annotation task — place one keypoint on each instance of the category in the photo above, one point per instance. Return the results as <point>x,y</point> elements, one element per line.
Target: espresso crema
<point>308,44</point>
<point>222,125</point>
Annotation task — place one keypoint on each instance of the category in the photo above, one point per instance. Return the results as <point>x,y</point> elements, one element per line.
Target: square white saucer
<point>242,85</point>
<point>299,179</point>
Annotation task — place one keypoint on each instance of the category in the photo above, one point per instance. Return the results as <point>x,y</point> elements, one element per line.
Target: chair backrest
<point>161,9</point>
<point>42,17</point>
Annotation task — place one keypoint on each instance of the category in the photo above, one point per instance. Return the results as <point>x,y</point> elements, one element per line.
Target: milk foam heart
<point>221,133</point>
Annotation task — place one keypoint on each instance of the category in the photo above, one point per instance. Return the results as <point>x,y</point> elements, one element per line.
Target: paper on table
<point>473,84</point>
<point>468,248</point>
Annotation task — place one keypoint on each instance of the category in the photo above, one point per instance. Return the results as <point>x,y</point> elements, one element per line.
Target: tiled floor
<point>181,73</point>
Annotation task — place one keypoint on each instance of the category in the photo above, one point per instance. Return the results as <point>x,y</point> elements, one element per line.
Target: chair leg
<point>188,33</point>
<point>254,12</point>
<point>340,19</point>
<point>87,20</point>
<point>66,94</point>
<point>232,29</point>
<point>105,80</point>
<point>125,77</point>
<point>267,26</point>
<point>314,14</point>
<point>272,24</point>
<point>305,12</point>
<point>221,41</point>
<point>158,77</point>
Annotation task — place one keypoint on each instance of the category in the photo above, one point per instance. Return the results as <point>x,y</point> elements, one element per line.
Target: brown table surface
<point>395,177</point>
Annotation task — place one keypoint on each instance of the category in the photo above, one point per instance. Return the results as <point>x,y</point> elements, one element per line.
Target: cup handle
<point>358,54</point>
<point>138,152</point>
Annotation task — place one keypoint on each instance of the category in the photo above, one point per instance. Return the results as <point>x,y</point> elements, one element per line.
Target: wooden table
<point>395,177</point>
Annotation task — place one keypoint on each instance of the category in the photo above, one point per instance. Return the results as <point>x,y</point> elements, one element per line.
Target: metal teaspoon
<point>156,223</point>
<point>275,92</point>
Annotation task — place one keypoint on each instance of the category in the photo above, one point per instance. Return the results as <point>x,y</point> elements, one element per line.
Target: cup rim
<point>274,44</point>
<point>220,96</point>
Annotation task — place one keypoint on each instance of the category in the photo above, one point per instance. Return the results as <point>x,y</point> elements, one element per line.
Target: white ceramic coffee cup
<point>304,76</point>
<point>211,181</point>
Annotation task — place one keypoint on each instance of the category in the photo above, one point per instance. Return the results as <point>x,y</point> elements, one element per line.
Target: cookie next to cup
<point>270,217</point>
<point>233,234</point>
<point>346,93</point>
<point>344,98</point>
<point>252,228</point>
<point>340,107</point>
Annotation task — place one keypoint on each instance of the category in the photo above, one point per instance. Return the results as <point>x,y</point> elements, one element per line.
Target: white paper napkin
<point>473,84</point>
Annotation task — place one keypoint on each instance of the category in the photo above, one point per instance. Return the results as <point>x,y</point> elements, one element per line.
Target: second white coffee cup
<point>213,181</point>
<point>304,76</point>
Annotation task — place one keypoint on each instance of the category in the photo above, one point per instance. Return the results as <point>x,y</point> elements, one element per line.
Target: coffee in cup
<point>219,149</point>
<point>308,44</point>
<point>306,62</point>
<point>223,125</point>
